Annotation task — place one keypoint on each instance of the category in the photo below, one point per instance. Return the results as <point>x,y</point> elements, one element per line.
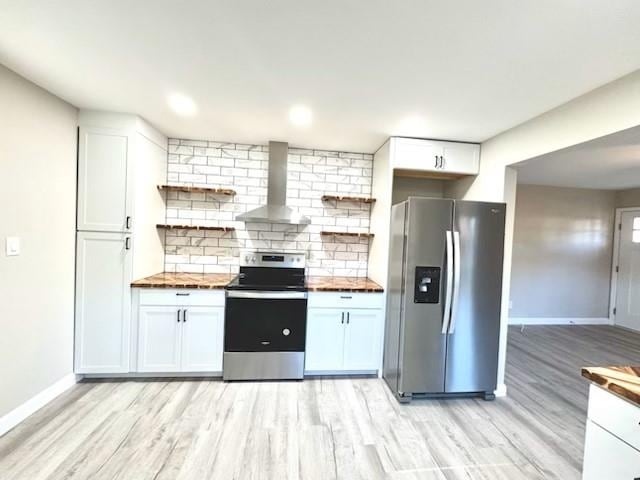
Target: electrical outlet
<point>510,304</point>
<point>13,246</point>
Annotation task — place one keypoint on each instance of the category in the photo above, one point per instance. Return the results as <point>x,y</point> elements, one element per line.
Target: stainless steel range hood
<point>276,210</point>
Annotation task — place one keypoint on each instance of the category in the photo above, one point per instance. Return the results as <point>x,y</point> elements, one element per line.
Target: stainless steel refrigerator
<point>444,295</point>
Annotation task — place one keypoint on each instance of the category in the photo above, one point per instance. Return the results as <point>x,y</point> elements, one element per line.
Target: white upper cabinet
<point>104,201</point>
<point>435,156</point>
<point>103,302</point>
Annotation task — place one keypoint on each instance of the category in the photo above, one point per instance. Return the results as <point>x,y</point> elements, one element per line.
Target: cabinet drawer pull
<point>342,321</point>
<point>127,243</point>
<point>346,297</point>
<point>184,315</point>
<point>347,318</point>
<point>178,315</point>
<point>182,294</point>
<point>128,223</point>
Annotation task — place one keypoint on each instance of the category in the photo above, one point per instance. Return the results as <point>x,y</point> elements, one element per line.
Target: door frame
<point>614,260</point>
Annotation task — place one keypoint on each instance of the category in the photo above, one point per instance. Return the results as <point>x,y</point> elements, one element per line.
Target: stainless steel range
<point>266,318</point>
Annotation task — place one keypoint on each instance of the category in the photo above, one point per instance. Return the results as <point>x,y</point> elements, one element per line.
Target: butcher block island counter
<point>612,443</point>
<point>221,280</point>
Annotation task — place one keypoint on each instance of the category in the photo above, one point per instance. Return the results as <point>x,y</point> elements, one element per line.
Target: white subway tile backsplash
<point>242,167</point>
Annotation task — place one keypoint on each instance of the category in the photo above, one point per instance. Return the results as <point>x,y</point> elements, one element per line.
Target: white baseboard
<point>18,414</point>
<point>501,390</point>
<point>559,321</point>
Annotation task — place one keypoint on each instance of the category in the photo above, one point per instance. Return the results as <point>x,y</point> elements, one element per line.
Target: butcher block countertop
<point>623,381</point>
<point>342,284</point>
<point>206,281</point>
<point>214,281</point>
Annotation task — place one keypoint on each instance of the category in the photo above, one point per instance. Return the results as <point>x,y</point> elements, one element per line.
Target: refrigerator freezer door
<point>423,346</point>
<point>472,345</point>
<point>390,363</point>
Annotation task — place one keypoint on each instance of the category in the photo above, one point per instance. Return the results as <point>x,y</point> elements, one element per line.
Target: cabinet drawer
<point>614,414</point>
<point>183,297</point>
<point>345,300</point>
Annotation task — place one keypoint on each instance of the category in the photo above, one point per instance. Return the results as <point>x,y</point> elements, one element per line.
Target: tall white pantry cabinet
<point>121,161</point>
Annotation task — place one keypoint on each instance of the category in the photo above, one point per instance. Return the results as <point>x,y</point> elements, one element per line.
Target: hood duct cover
<point>276,210</point>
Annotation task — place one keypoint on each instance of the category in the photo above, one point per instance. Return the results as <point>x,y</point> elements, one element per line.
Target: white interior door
<point>628,281</point>
<point>202,339</point>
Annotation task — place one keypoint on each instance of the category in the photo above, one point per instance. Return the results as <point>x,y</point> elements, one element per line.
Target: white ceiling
<point>610,163</point>
<point>461,69</point>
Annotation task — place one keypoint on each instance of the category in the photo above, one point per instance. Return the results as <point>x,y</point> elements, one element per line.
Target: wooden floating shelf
<point>185,188</point>
<point>347,234</point>
<point>194,227</point>
<point>348,199</point>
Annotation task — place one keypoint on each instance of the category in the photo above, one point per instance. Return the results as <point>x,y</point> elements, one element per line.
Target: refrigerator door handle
<point>456,282</point>
<point>449,283</point>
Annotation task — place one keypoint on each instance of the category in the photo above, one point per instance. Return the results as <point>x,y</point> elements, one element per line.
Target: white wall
<point>628,198</point>
<point>608,109</point>
<point>562,249</point>
<point>37,203</point>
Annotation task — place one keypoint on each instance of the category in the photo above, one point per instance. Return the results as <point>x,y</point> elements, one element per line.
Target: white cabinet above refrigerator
<point>420,155</point>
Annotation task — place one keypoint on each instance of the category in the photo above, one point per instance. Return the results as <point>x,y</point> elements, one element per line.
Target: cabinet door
<point>416,154</point>
<point>159,339</point>
<point>461,158</point>
<point>103,195</point>
<point>202,337</point>
<point>325,339</point>
<point>363,339</point>
<point>606,456</point>
<point>103,303</point>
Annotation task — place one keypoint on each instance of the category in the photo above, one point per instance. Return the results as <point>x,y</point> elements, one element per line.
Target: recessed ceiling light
<point>300,115</point>
<point>182,105</point>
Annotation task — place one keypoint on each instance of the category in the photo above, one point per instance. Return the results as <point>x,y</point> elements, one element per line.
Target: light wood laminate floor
<point>325,428</point>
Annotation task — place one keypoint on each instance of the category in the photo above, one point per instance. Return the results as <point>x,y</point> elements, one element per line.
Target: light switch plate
<point>13,246</point>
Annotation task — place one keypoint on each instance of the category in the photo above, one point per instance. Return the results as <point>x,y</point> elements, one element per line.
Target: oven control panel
<point>272,259</point>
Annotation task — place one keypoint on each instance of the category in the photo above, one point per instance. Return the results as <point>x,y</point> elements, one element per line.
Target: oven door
<point>265,321</point>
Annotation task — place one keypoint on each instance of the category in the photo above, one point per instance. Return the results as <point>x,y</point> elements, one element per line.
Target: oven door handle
<point>266,295</point>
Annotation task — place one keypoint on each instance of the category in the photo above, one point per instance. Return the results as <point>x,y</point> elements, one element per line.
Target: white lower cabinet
<point>325,340</point>
<point>159,339</point>
<point>362,339</point>
<point>202,339</point>
<point>611,435</point>
<point>343,339</point>
<point>180,338</point>
<point>103,303</point>
<point>607,457</point>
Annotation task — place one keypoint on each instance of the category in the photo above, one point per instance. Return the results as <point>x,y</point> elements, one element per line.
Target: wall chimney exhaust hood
<point>276,210</point>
